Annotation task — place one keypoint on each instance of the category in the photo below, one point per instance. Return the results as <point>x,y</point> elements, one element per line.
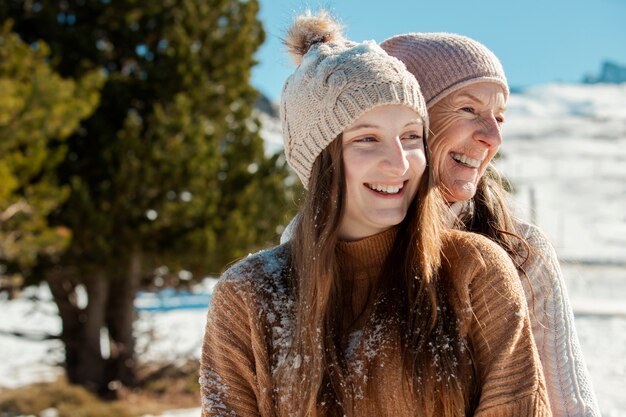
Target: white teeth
<point>387,189</point>
<point>464,159</point>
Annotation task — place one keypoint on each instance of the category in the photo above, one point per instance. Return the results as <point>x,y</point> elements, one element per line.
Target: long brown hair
<point>436,368</point>
<point>488,214</point>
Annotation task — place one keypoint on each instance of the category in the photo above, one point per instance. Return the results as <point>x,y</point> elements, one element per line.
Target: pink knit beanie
<point>335,83</point>
<point>446,62</point>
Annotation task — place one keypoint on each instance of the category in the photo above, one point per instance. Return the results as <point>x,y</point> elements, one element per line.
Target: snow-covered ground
<point>564,151</point>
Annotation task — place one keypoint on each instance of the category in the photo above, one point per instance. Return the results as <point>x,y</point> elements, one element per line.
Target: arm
<point>500,337</point>
<point>227,375</point>
<point>569,386</point>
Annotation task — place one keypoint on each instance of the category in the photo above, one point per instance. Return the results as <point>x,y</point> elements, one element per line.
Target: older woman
<point>465,89</point>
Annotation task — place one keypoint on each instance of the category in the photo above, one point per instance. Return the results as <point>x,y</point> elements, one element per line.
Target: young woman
<point>465,89</point>
<point>372,308</point>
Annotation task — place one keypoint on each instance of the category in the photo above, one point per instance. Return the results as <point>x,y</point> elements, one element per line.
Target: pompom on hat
<point>336,82</point>
<point>445,62</point>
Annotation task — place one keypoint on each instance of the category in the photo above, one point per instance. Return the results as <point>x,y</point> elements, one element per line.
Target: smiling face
<point>384,159</point>
<point>466,136</point>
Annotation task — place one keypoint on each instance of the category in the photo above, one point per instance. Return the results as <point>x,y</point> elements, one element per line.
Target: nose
<point>489,132</point>
<point>395,161</point>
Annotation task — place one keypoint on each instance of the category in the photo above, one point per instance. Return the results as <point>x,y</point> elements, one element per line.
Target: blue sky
<point>537,41</point>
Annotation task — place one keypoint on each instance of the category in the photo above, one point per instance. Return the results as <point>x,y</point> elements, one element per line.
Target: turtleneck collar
<point>364,258</point>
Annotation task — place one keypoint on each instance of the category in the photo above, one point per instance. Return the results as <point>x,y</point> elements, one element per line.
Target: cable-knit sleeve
<point>500,337</point>
<point>567,379</point>
<point>227,377</point>
<point>239,348</point>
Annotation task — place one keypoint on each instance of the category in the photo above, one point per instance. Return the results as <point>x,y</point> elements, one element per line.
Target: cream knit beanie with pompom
<point>446,62</point>
<point>336,82</point>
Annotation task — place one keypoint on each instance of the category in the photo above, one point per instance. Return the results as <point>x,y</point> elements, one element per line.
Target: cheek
<point>418,163</point>
<point>418,167</point>
<point>351,165</point>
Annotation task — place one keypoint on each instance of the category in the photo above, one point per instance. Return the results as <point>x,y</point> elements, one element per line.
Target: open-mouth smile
<point>466,160</point>
<point>387,189</point>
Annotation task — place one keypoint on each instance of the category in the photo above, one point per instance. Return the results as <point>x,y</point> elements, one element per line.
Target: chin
<point>390,220</point>
<point>463,193</point>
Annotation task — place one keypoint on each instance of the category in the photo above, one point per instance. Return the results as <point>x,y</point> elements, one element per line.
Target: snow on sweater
<point>251,322</point>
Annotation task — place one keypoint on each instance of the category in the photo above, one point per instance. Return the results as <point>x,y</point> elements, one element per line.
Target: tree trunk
<point>110,305</point>
<point>120,319</point>
<point>62,289</point>
<point>92,365</point>
<point>81,327</point>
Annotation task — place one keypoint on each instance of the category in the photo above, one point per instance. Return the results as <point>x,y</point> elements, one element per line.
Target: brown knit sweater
<point>250,325</point>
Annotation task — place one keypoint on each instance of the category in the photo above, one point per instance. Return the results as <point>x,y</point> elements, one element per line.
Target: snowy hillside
<point>565,152</point>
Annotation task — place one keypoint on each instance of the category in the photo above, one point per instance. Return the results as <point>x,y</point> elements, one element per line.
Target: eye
<point>468,110</point>
<point>412,136</point>
<point>366,139</point>
<point>500,119</point>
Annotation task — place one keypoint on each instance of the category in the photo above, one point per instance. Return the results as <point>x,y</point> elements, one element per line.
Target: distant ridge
<point>610,73</point>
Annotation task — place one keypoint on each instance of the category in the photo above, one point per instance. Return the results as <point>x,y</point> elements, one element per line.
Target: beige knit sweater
<point>250,325</point>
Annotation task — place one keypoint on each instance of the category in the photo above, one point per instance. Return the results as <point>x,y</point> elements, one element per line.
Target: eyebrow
<point>372,126</point>
<point>476,99</point>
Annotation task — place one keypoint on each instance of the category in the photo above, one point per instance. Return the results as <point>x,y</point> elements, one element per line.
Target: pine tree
<point>169,171</point>
<point>38,111</point>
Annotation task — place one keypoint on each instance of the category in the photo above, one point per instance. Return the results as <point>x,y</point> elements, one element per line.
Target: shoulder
<point>540,262</point>
<point>534,236</point>
<point>479,268</point>
<point>543,281</point>
<point>260,266</point>
<point>254,278</point>
<point>255,297</point>
<point>472,249</point>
